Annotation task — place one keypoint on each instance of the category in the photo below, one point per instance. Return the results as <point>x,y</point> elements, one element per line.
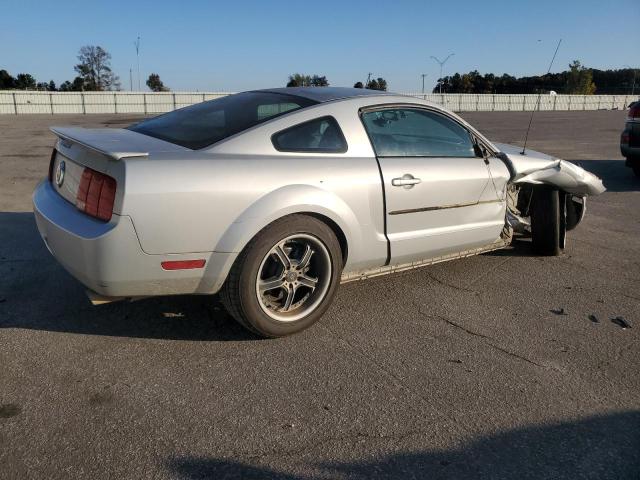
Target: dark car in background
<point>630,138</point>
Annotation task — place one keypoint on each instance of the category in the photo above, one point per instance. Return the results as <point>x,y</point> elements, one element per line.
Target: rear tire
<point>285,278</point>
<point>546,230</point>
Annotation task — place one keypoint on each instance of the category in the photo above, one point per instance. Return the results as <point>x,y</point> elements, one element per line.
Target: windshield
<point>206,123</point>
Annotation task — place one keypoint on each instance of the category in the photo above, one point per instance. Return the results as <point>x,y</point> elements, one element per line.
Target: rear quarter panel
<point>218,199</point>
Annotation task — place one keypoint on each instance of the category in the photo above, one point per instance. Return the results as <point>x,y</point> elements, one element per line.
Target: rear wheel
<point>547,234</point>
<point>285,278</point>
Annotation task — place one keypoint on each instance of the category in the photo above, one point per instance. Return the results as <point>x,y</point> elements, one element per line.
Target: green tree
<point>6,80</point>
<point>319,81</point>
<point>302,80</point>
<point>155,84</point>
<point>580,80</point>
<point>377,84</point>
<point>76,86</point>
<point>25,81</point>
<point>95,69</point>
<point>299,80</point>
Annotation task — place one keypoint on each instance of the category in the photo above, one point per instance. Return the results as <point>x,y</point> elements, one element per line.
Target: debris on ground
<point>622,322</point>
<point>593,318</point>
<point>558,311</point>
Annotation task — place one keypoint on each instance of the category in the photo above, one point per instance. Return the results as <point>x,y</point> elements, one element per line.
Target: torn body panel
<point>539,169</point>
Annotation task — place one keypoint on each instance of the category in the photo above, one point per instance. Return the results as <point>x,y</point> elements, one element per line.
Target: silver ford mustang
<point>274,197</point>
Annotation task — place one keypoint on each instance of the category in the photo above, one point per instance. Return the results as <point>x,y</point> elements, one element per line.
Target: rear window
<point>206,123</point>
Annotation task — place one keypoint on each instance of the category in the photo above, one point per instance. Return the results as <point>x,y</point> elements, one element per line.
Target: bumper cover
<point>107,257</point>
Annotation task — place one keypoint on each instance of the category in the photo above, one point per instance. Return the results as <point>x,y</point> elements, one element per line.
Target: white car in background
<point>274,197</point>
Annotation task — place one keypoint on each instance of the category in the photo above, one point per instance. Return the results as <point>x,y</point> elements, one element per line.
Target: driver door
<point>439,198</point>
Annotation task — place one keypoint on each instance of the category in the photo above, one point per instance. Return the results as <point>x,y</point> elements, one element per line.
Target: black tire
<point>545,221</point>
<point>240,295</point>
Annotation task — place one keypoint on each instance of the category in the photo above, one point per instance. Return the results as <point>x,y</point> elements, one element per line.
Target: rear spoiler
<point>111,142</point>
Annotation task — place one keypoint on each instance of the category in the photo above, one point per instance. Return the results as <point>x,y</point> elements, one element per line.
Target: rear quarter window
<point>321,135</point>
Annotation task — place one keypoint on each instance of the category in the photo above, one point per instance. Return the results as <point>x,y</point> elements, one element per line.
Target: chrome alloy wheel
<point>293,277</point>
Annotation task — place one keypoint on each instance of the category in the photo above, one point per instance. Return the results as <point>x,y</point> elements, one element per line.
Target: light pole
<point>441,63</point>
<point>633,84</point>
<point>137,44</point>
<point>423,75</point>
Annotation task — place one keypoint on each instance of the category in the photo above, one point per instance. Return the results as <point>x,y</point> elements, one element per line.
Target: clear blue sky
<point>240,45</point>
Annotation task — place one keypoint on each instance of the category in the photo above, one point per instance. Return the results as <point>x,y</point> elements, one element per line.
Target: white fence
<point>23,102</point>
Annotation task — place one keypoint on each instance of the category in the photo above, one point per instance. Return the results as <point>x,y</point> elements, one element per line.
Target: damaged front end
<point>534,169</point>
<point>519,197</point>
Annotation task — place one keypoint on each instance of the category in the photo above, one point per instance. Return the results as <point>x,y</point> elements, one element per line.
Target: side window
<point>405,132</point>
<point>321,135</point>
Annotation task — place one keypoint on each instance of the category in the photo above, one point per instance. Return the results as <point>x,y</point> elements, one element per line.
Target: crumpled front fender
<point>540,169</point>
<point>566,176</point>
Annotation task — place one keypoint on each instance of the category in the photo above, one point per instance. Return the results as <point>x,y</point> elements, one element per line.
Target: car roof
<point>325,94</point>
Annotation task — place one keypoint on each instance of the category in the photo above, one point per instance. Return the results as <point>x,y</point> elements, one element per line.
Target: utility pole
<point>368,79</point>
<point>131,80</point>
<point>137,44</point>
<point>441,63</point>
<point>423,75</point>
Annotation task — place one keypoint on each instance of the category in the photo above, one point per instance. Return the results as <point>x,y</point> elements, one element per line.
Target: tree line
<point>577,80</point>
<point>93,74</point>
<point>302,80</point>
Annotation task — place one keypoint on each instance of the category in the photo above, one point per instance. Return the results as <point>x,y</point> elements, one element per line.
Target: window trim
<point>412,106</point>
<point>330,118</point>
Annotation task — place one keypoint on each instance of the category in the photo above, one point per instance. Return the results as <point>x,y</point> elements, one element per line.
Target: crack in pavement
<point>481,335</point>
<point>450,285</point>
<point>486,272</point>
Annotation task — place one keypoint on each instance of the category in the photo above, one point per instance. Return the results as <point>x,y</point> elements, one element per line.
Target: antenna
<point>526,136</point>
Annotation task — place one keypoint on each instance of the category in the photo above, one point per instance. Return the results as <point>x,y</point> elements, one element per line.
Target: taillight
<point>51,163</point>
<point>634,112</point>
<point>96,194</point>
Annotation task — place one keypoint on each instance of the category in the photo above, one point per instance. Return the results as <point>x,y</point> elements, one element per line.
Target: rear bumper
<point>107,257</point>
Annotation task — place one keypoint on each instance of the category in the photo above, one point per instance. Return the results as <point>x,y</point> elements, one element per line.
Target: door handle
<point>407,181</point>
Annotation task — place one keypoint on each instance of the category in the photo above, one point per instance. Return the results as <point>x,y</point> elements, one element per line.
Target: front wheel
<point>285,278</point>
<point>547,234</point>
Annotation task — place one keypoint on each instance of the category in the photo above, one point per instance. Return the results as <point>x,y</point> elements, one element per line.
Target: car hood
<point>539,168</point>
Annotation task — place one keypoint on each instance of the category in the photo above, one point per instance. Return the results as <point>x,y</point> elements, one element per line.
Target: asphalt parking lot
<point>504,365</point>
